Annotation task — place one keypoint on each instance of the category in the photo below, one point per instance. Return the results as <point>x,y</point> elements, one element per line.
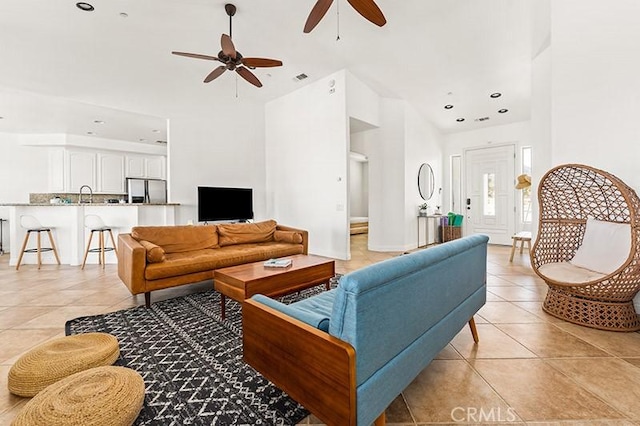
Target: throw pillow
<point>155,253</point>
<point>244,233</point>
<point>605,246</point>
<point>288,237</point>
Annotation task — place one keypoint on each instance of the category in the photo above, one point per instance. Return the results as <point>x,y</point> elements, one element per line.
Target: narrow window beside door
<point>489,194</point>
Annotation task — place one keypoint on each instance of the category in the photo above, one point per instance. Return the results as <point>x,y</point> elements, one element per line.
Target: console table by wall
<point>430,229</point>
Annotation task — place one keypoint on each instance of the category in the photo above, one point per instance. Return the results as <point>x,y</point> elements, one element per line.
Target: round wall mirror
<point>426,181</point>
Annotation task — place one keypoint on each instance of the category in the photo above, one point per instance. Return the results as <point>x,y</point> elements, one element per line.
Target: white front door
<point>490,200</point>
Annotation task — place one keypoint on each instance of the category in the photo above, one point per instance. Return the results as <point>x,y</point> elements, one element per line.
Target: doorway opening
<point>359,149</point>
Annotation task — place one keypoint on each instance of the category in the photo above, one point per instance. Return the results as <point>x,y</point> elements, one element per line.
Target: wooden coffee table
<point>243,281</point>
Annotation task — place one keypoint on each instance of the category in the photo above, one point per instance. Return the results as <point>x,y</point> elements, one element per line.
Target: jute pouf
<point>59,358</point>
<point>101,396</point>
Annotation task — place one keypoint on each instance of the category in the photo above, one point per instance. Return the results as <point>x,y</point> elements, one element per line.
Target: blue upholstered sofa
<point>345,354</point>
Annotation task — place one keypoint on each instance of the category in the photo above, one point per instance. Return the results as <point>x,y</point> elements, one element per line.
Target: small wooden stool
<point>95,224</point>
<point>523,237</point>
<point>33,225</point>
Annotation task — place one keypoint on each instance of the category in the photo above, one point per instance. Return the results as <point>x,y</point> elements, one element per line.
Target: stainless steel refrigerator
<point>146,191</point>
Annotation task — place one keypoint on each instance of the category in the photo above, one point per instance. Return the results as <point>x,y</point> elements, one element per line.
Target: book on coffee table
<point>277,263</point>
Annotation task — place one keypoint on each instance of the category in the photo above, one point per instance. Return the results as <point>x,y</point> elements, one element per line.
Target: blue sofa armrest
<point>299,311</point>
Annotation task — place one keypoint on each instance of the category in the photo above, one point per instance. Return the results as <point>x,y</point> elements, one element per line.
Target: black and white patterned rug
<point>191,362</point>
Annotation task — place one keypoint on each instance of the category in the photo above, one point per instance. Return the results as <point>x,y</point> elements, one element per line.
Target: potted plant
<point>422,209</point>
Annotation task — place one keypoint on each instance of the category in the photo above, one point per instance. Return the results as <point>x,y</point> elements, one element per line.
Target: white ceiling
<point>431,53</point>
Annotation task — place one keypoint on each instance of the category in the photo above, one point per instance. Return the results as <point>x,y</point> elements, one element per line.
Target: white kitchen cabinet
<point>139,166</point>
<point>155,167</point>
<point>111,173</point>
<point>81,170</point>
<point>104,171</point>
<point>136,167</point>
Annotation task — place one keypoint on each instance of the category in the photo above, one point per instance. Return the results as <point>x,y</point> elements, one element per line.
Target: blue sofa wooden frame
<point>347,353</point>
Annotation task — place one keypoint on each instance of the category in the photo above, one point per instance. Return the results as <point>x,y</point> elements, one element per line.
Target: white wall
<point>396,150</point>
<point>422,145</point>
<point>362,102</point>
<point>307,163</point>
<point>595,85</point>
<point>222,147</point>
<point>23,169</point>
<point>540,126</point>
<point>386,179</point>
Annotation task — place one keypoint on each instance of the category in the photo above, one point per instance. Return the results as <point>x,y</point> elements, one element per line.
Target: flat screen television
<point>215,203</point>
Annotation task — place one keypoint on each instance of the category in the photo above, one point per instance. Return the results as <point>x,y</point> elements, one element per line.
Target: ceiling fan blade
<point>249,76</point>
<point>317,13</point>
<point>196,55</point>
<point>261,62</point>
<point>370,10</point>
<point>215,73</point>
<point>227,46</point>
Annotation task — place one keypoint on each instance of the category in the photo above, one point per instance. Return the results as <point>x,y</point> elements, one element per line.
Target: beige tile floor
<point>528,368</point>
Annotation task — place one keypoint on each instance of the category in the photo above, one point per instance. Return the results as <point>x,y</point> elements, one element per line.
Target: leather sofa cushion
<point>155,253</point>
<point>288,237</point>
<point>243,233</point>
<point>178,239</point>
<point>177,264</point>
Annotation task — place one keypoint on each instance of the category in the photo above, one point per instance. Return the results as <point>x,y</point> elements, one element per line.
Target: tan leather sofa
<point>156,257</point>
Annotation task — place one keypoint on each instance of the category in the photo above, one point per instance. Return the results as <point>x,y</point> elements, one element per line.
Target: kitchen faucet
<point>90,194</point>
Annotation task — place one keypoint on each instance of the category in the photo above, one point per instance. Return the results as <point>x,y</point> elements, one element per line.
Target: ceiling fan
<point>367,8</point>
<point>231,58</point>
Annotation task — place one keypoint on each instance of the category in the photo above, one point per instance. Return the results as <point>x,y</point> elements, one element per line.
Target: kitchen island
<point>69,232</point>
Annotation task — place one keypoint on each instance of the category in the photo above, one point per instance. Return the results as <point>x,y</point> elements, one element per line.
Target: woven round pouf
<point>101,396</point>
<point>58,358</point>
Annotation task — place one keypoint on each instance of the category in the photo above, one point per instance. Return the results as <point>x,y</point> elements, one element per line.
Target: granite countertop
<point>86,204</point>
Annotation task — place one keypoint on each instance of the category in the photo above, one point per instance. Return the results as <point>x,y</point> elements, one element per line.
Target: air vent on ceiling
<point>482,119</point>
<point>300,77</point>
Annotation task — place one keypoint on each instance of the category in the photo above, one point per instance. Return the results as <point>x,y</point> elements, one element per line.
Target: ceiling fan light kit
<point>231,59</point>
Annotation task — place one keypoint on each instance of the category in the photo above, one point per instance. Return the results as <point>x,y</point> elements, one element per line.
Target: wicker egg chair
<point>567,196</point>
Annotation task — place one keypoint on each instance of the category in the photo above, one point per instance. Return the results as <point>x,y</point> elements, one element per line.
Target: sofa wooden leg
<point>474,331</point>
<point>381,420</point>
<point>147,299</point>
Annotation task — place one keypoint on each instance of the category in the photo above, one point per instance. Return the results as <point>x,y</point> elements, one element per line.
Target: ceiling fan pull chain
<point>236,86</point>
<point>338,20</point>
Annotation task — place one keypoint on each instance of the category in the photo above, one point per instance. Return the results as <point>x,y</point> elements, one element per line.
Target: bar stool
<point>95,224</point>
<point>523,237</point>
<point>31,224</point>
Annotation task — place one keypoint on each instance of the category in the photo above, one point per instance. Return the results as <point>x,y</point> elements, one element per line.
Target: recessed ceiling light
<point>1,117</point>
<point>495,95</point>
<point>503,110</point>
<point>156,131</point>
<point>142,140</point>
<point>124,15</point>
<point>85,6</point>
<point>90,133</point>
<point>460,120</point>
<point>448,106</point>
<point>98,121</point>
